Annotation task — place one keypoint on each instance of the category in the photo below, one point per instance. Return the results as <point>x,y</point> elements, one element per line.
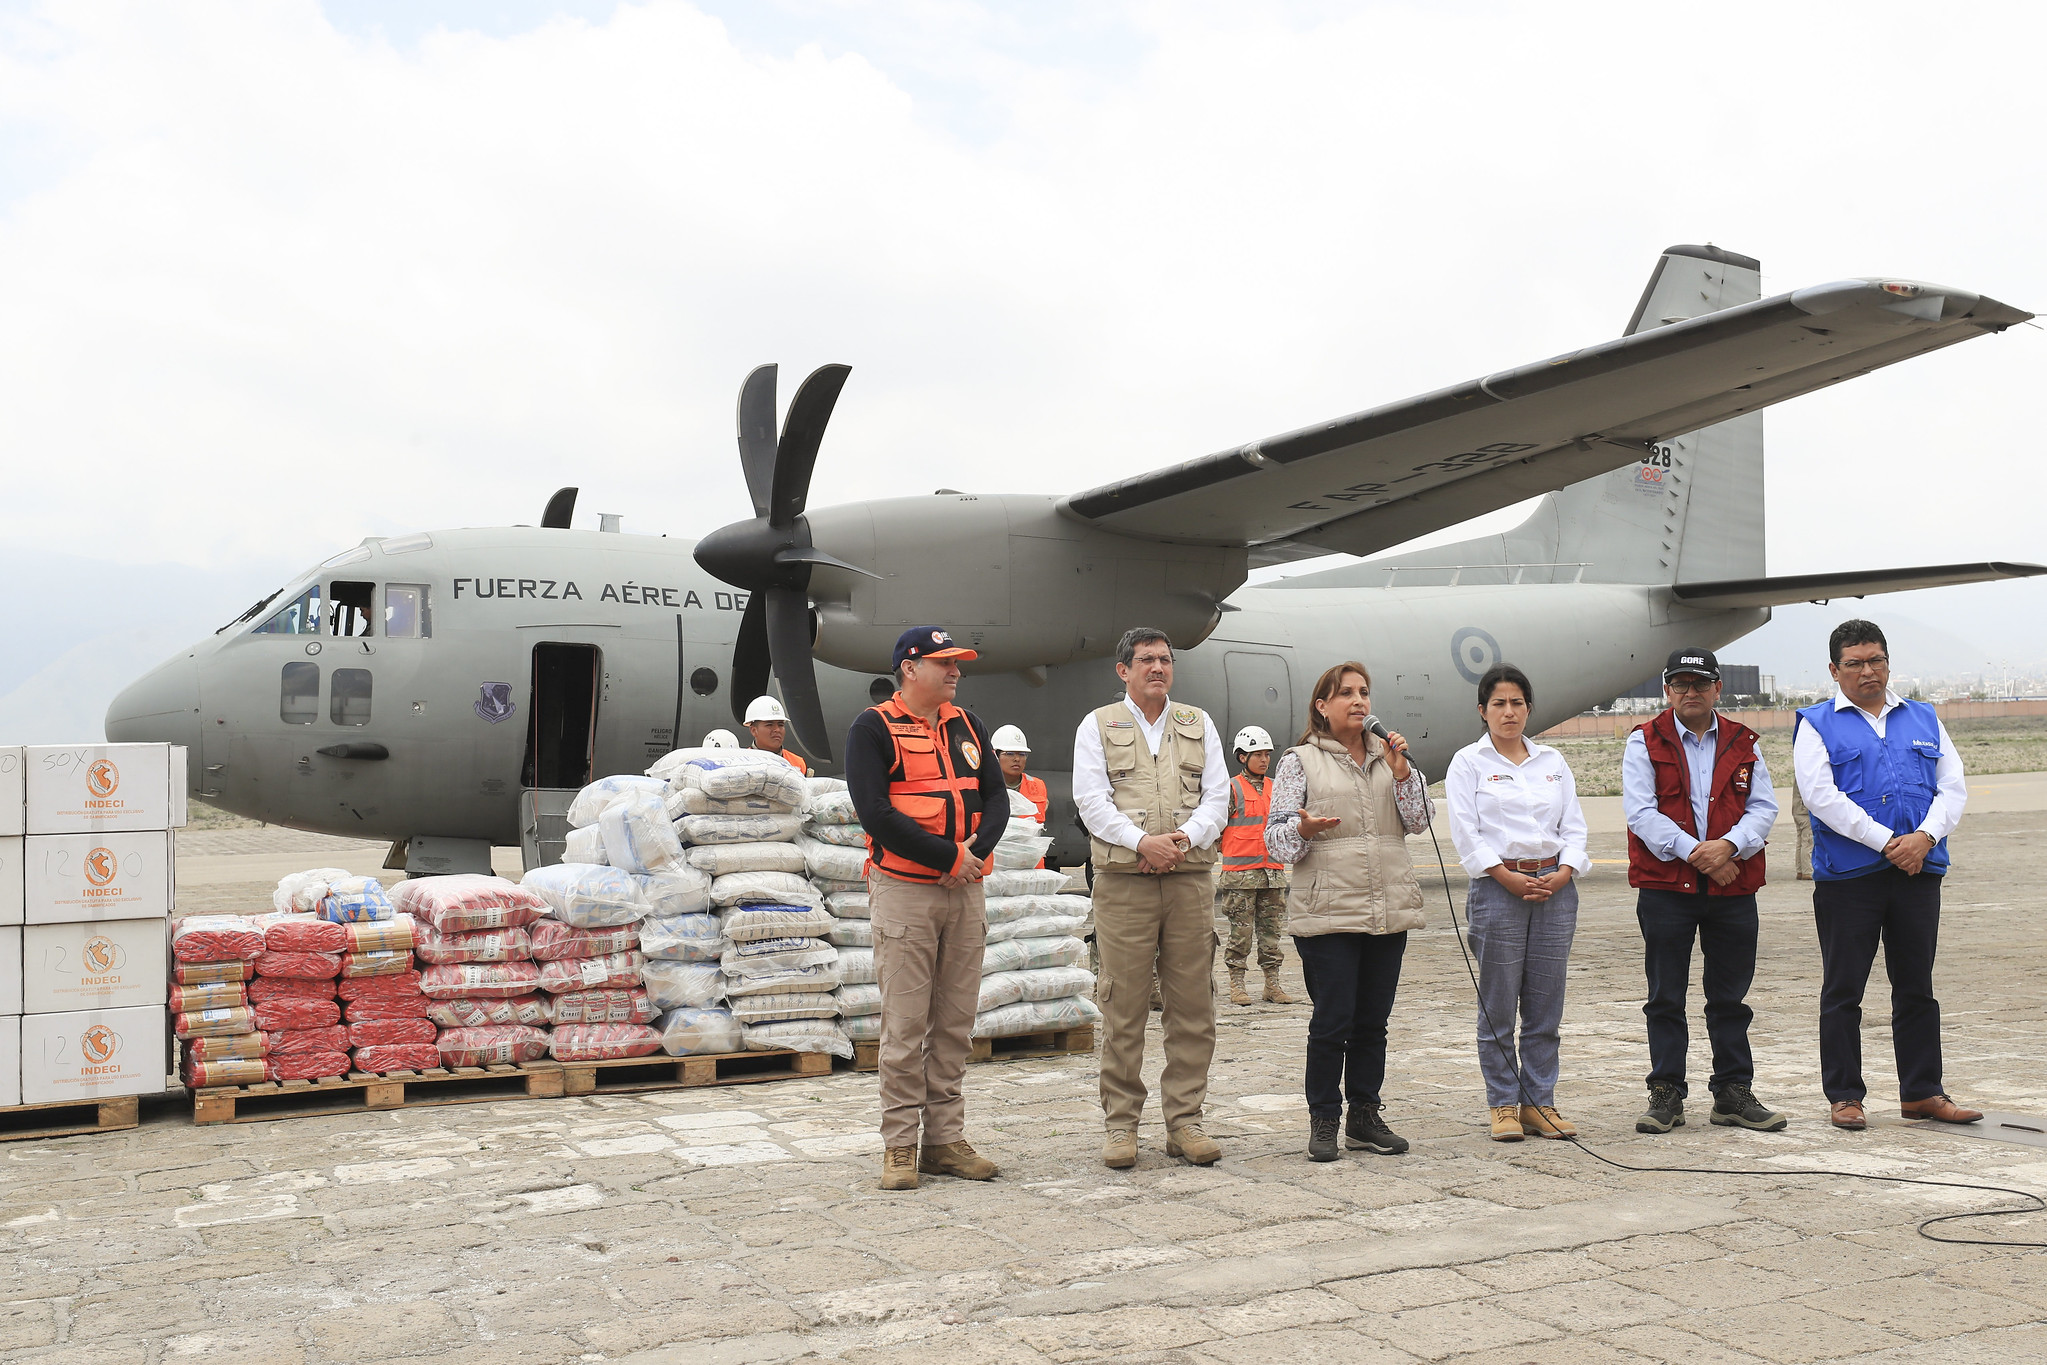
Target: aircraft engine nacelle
<point>1006,574</point>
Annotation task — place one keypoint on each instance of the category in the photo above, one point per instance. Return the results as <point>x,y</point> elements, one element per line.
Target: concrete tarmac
<point>744,1225</point>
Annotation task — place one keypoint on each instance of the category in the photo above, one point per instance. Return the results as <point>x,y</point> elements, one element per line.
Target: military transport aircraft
<point>443,689</point>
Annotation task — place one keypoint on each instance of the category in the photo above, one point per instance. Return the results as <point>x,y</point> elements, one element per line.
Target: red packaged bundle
<point>200,973</point>
<point>458,1012</point>
<point>496,1043</point>
<point>305,1066</point>
<point>296,1012</point>
<point>212,995</point>
<point>478,978</point>
<point>216,938</point>
<point>382,962</point>
<point>613,971</point>
<point>393,935</point>
<point>458,904</point>
<point>304,966</point>
<point>217,1023</point>
<point>414,1006</point>
<point>238,1047</point>
<point>389,1032</point>
<point>370,987</point>
<point>602,1042</point>
<point>332,1038</point>
<point>604,1007</point>
<point>228,1071</point>
<point>302,934</point>
<point>477,945</point>
<point>298,987</point>
<point>552,940</point>
<point>398,1057</point>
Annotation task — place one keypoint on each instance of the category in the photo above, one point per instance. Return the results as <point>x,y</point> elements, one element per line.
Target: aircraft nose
<point>161,707</point>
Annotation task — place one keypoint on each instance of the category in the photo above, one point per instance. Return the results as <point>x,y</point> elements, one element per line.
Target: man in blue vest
<point>1885,788</point>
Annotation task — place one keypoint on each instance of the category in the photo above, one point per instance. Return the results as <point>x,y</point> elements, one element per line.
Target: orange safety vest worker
<point>795,761</point>
<point>1243,842</point>
<point>934,778</point>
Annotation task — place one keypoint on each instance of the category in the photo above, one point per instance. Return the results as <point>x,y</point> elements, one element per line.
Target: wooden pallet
<point>627,1074</point>
<point>20,1121</point>
<point>361,1090</point>
<point>1053,1043</point>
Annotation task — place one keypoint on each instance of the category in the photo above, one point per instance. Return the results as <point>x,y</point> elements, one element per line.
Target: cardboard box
<point>92,1055</point>
<point>10,972</point>
<point>98,966</point>
<point>10,879</point>
<point>73,878</point>
<point>10,1060</point>
<point>13,793</point>
<point>99,788</point>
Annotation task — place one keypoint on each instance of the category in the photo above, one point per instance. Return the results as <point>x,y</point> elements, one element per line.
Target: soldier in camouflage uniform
<point>1252,887</point>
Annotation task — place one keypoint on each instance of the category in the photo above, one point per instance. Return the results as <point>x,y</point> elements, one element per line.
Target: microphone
<point>1375,726</point>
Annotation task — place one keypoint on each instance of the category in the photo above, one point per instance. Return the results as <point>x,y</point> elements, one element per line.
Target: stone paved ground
<point>743,1225</point>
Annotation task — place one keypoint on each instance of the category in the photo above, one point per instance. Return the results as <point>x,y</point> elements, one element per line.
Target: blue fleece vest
<point>1891,778</point>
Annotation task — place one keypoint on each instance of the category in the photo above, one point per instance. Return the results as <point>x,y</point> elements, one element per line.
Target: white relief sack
<point>1037,926</point>
<point>853,933</point>
<point>740,829</point>
<point>845,836</point>
<point>587,895</point>
<point>1036,1016</point>
<point>591,801</point>
<point>720,860</point>
<point>677,889</point>
<point>850,904</point>
<point>823,977</point>
<point>726,774</point>
<point>862,1028</point>
<point>585,845</point>
<point>758,957</point>
<point>743,923</point>
<point>691,801</point>
<point>800,1035</point>
<point>757,1009</point>
<point>690,1031</point>
<point>856,967</point>
<point>859,999</point>
<point>674,985</point>
<point>832,862</point>
<point>638,836</point>
<point>769,888</point>
<point>685,938</point>
<point>1045,983</point>
<point>833,807</point>
<point>1023,881</point>
<point>1028,954</point>
<point>1020,853</point>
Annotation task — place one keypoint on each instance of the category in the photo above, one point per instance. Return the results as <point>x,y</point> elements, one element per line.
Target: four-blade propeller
<point>771,556</point>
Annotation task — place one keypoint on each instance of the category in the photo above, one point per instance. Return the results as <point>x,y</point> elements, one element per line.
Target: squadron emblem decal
<point>495,703</point>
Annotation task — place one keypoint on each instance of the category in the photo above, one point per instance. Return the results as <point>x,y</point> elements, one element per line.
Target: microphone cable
<point>2036,1205</point>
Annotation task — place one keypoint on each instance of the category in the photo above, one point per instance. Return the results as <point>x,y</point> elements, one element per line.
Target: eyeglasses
<point>1872,665</point>
<point>1702,686</point>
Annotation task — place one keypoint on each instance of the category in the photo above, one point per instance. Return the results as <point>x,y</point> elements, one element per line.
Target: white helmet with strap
<point>1009,740</point>
<point>721,739</point>
<point>1253,740</point>
<point>764,708</point>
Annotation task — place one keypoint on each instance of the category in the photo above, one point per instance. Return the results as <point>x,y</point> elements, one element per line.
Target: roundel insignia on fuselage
<point>1473,651</point>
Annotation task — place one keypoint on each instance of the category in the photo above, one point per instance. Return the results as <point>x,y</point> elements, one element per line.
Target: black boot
<point>1364,1130</point>
<point>1321,1138</point>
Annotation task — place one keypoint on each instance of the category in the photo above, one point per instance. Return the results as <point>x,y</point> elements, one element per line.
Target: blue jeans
<point>1351,979</point>
<point>1522,949</point>
<point>1725,927</point>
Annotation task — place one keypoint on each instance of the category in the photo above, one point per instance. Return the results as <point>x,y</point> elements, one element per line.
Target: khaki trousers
<point>928,943</point>
<point>1165,922</point>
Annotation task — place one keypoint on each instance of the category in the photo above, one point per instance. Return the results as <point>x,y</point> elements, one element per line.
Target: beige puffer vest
<point>1159,794</point>
<point>1356,878</point>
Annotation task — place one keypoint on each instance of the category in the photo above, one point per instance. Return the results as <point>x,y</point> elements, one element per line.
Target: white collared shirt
<point>1815,775</point>
<point>1091,789</point>
<point>1501,810</point>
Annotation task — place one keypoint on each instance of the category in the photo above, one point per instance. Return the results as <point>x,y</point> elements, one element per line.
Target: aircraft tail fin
<point>1691,512</point>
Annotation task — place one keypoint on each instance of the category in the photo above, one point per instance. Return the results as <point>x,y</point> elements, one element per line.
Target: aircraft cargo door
<point>561,738</point>
<point>1261,692</point>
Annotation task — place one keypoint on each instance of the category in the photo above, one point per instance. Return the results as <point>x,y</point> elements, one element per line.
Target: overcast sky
<point>276,275</point>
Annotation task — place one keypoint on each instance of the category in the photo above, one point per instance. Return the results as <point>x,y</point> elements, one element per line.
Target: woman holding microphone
<point>1520,835</point>
<point>1343,802</point>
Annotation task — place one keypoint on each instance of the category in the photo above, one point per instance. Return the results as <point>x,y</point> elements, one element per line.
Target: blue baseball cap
<point>928,642</point>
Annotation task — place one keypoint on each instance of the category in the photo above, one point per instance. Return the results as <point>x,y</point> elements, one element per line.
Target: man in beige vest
<point>1149,779</point>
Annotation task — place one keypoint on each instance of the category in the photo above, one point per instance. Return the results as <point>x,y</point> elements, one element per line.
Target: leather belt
<point>1531,866</point>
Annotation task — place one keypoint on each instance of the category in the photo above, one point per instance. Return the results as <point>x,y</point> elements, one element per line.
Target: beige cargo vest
<point>1357,878</point>
<point>1158,794</point>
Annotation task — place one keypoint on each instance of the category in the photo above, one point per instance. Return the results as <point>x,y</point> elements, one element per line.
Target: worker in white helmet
<point>1252,887</point>
<point>768,723</point>
<point>1012,753</point>
<point>721,739</point>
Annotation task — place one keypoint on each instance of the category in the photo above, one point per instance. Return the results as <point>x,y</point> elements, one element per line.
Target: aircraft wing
<point>1823,587</point>
<point>1362,483</point>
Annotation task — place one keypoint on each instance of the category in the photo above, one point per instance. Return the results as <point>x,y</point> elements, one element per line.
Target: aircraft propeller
<point>772,555</point>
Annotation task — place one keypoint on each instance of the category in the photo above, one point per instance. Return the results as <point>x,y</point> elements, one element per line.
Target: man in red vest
<point>1699,805</point>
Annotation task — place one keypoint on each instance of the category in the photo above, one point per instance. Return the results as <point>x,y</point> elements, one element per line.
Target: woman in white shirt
<point>1520,835</point>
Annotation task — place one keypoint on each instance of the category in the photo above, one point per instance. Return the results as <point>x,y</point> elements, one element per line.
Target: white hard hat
<point>1010,740</point>
<point>764,708</point>
<point>721,739</point>
<point>1252,740</point>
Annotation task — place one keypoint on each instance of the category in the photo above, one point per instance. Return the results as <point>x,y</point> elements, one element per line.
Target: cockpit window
<point>349,607</point>
<point>405,612</point>
<point>300,616</point>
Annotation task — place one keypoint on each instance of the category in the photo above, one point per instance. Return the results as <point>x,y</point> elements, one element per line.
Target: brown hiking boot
<point>1273,994</point>
<point>899,1168</point>
<point>956,1158</point>
<point>1238,995</point>
<point>1190,1142</point>
<point>1542,1120</point>
<point>1506,1123</point>
<point>1119,1149</point>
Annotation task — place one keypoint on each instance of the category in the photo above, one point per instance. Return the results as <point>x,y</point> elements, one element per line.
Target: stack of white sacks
<point>733,943</point>
<point>1031,977</point>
